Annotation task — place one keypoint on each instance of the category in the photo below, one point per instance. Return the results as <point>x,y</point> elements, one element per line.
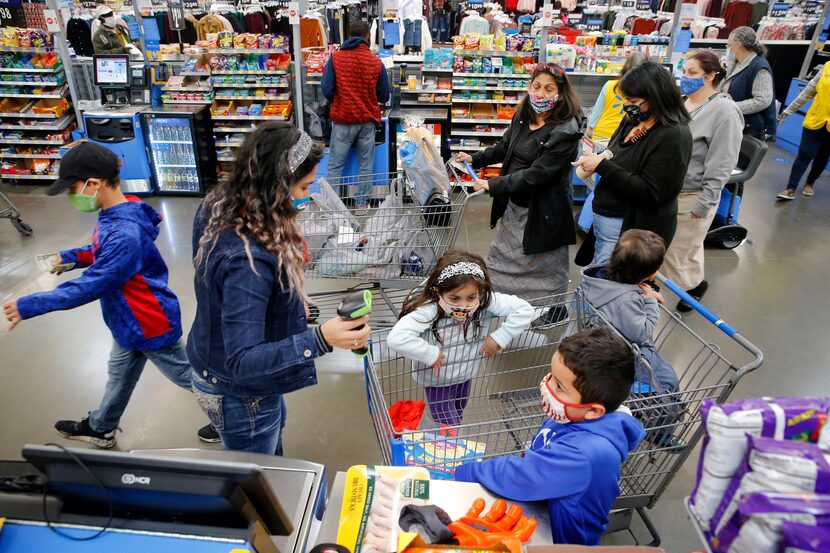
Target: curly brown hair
<point>255,200</point>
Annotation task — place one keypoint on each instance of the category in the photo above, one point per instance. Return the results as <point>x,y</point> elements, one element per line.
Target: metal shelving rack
<point>32,143</point>
<point>485,93</point>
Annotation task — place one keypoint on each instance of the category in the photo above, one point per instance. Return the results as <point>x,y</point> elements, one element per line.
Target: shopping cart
<point>388,248</point>
<point>11,213</point>
<point>503,412</point>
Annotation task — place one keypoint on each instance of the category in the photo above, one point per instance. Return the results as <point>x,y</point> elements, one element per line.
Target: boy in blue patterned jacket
<point>125,271</point>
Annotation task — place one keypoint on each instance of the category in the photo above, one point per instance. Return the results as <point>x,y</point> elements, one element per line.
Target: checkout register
<point>165,500</point>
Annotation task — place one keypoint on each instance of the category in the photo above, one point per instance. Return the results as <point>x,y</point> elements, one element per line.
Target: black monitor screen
<point>190,491</point>
<point>112,70</point>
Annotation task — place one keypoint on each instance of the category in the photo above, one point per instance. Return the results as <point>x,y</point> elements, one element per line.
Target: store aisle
<point>772,289</point>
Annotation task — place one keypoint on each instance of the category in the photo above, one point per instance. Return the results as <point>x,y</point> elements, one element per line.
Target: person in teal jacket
<point>574,460</point>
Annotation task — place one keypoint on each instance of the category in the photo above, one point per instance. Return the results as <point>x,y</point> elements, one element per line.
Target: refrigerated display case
<point>180,149</point>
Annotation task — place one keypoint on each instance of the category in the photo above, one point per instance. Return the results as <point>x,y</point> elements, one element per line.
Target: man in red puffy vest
<point>354,81</point>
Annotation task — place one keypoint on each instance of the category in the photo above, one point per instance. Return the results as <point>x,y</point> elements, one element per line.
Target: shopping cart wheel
<point>730,243</point>
<point>22,227</point>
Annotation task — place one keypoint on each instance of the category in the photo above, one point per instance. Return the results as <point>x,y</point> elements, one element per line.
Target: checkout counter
<point>299,486</point>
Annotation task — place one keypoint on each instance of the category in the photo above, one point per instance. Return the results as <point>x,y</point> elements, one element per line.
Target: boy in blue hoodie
<point>574,460</point>
<point>126,272</point>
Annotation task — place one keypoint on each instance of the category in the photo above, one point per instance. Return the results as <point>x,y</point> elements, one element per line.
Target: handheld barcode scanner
<point>353,307</point>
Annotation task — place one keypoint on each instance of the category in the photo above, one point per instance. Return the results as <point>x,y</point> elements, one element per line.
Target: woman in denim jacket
<point>250,343</point>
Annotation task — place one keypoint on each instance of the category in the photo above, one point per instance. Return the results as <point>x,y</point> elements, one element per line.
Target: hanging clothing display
<point>79,34</point>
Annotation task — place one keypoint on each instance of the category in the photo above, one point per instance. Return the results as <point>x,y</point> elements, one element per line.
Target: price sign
<point>547,16</point>
<point>628,4</point>
<point>594,24</point>
<point>294,13</point>
<point>51,18</point>
<point>643,4</point>
<point>811,7</point>
<point>12,3</point>
<point>175,15</point>
<point>190,4</point>
<point>12,17</point>
<point>779,9</point>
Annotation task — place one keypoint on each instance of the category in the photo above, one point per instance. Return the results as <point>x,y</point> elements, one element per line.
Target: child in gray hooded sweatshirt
<point>622,293</point>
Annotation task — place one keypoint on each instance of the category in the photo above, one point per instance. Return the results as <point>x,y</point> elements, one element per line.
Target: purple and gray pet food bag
<point>771,467</point>
<point>724,446</point>
<point>803,538</point>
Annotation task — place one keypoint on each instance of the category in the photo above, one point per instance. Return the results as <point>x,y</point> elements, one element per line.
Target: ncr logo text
<point>130,479</point>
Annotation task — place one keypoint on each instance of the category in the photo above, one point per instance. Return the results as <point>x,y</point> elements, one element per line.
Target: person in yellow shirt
<point>608,109</point>
<point>815,136</point>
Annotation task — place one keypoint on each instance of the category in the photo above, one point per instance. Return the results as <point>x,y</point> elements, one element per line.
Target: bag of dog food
<point>783,418</point>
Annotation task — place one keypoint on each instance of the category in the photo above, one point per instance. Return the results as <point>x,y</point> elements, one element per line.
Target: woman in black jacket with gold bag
<point>531,204</point>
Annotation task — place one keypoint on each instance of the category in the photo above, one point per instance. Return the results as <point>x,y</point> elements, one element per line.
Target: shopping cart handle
<point>697,306</point>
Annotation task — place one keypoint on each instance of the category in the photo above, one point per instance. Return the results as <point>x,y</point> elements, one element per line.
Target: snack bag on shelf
<point>471,41</point>
<point>251,40</point>
<point>225,39</point>
<point>38,38</point>
<point>212,40</point>
<point>24,38</point>
<point>281,41</point>
<point>487,42</point>
<point>10,37</point>
<point>458,42</point>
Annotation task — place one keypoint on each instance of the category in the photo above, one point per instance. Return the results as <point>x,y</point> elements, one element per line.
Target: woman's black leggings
<point>815,147</point>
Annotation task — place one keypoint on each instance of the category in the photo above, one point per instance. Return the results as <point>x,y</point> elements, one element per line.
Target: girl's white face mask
<point>458,313</point>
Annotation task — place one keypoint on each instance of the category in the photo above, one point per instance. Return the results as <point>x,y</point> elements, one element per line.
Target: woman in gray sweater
<point>717,129</point>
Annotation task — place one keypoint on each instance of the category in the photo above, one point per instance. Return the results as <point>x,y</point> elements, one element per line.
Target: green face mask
<point>84,203</point>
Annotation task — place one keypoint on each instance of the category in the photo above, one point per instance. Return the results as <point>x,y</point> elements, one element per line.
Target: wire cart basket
<point>389,246</point>
<point>502,412</point>
<point>11,213</point>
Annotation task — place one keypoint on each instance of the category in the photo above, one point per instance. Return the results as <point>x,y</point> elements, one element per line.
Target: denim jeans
<point>440,26</point>
<point>251,424</point>
<point>125,366</point>
<point>412,32</point>
<point>342,139</point>
<point>815,147</point>
<point>607,230</point>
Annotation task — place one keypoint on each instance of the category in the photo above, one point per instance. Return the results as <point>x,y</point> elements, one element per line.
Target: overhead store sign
<point>779,9</point>
<point>176,15</point>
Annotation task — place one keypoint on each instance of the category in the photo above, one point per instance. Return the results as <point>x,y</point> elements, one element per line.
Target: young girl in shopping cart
<point>443,331</point>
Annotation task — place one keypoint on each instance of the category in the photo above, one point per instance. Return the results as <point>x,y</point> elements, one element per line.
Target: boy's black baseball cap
<point>84,161</point>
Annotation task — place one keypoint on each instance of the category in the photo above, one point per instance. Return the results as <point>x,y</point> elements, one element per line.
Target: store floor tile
<point>771,288</point>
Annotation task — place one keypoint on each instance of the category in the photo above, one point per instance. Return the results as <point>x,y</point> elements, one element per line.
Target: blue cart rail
<point>502,412</point>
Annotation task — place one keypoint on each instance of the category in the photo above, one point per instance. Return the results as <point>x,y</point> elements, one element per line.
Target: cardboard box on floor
<point>586,549</point>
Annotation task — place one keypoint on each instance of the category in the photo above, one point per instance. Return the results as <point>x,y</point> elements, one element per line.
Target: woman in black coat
<point>531,204</point>
<point>639,185</point>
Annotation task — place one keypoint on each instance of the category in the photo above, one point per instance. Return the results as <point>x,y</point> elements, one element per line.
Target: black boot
<point>697,293</point>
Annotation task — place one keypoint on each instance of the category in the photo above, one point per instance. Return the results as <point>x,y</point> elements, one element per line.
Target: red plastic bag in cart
<point>406,415</point>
